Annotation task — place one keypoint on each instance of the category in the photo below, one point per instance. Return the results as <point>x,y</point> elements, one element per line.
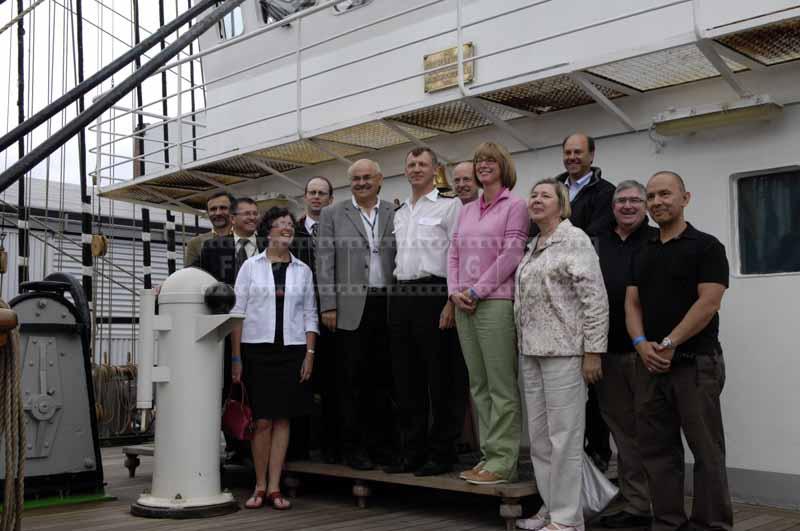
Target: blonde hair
<point>508,171</point>
<point>561,193</point>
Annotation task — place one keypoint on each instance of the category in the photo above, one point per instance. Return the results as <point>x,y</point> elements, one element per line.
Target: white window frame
<point>221,24</point>
<point>734,195</point>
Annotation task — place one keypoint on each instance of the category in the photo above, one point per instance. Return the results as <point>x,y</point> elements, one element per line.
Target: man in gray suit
<point>355,260</point>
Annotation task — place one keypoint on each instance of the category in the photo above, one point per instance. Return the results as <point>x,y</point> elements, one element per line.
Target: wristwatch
<point>667,343</point>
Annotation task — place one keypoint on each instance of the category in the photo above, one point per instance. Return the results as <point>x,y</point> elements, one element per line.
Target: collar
<point>640,232</point>
<point>690,233</point>
<point>309,223</point>
<point>504,194</point>
<point>251,238</point>
<point>430,196</point>
<point>558,235</point>
<point>580,183</point>
<point>262,256</point>
<point>375,209</point>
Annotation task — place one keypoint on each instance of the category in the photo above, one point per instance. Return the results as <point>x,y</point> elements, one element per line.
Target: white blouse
<point>255,298</point>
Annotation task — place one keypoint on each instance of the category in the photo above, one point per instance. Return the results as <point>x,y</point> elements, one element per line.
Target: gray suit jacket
<point>191,253</point>
<point>343,259</point>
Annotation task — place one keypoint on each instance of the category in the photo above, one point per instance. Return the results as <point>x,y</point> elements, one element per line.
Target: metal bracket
<point>710,53</point>
<point>581,79</point>
<point>481,108</point>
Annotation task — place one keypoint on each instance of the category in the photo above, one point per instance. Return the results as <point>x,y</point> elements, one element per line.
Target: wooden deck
<point>325,504</point>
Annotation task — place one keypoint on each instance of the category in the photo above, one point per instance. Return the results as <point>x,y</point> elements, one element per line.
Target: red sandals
<point>256,501</point>
<point>278,501</point>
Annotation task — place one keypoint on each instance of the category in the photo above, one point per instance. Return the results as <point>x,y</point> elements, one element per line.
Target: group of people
<point>603,318</point>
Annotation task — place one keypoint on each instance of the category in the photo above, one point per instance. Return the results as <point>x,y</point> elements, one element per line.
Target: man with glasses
<point>616,391</point>
<point>222,257</point>
<point>354,262</point>
<point>317,195</point>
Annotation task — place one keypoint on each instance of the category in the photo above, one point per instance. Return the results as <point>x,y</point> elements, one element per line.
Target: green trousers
<point>489,341</point>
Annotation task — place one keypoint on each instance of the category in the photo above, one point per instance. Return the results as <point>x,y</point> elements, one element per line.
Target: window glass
<point>232,25</point>
<point>769,222</point>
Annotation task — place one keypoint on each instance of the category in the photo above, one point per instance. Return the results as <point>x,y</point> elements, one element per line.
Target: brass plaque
<point>448,77</point>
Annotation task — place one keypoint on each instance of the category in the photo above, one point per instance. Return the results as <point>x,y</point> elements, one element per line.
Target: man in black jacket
<point>222,257</point>
<point>590,198</point>
<point>317,195</point>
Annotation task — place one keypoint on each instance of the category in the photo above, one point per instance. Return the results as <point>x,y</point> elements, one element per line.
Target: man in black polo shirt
<point>616,391</point>
<point>676,289</point>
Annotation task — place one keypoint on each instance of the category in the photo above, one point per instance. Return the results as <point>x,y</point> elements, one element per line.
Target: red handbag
<point>237,417</point>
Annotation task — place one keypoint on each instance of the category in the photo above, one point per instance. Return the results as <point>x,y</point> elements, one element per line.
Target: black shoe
<point>331,457</point>
<point>433,468</point>
<point>402,466</point>
<point>623,520</point>
<point>360,462</point>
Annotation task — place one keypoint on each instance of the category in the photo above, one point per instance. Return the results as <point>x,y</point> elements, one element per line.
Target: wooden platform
<point>325,505</point>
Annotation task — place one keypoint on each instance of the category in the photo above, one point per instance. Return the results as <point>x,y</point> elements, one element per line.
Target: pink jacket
<point>487,246</point>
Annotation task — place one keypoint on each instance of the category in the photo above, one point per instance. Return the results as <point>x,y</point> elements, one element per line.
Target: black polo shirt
<point>667,275</point>
<point>615,261</point>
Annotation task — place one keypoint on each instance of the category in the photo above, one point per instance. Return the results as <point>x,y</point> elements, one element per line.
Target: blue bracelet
<point>639,339</point>
<point>473,294</point>
<point>236,359</point>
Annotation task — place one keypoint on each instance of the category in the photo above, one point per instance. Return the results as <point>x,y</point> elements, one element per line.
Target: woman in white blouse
<point>275,292</point>
<point>561,313</point>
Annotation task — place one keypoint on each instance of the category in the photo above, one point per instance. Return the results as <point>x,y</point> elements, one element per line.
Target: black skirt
<point>271,375</point>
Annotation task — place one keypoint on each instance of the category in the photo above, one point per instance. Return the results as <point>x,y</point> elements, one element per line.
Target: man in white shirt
<point>427,366</point>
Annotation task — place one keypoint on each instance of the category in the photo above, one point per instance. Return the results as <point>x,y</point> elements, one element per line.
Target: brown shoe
<point>474,470</point>
<point>485,477</point>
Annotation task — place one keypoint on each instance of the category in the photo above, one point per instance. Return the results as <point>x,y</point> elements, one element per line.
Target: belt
<point>424,280</point>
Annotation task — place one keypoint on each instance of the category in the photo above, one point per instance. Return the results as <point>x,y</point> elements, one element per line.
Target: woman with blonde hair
<point>485,249</point>
<point>561,315</point>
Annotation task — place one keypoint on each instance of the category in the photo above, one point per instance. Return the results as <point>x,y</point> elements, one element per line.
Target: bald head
<point>672,175</point>
<point>365,181</point>
<point>578,155</point>
<point>464,182</point>
<point>667,198</point>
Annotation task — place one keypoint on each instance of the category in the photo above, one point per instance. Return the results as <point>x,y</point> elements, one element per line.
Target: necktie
<point>241,253</point>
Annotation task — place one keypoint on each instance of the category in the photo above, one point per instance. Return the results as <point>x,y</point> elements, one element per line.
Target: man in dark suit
<point>222,257</point>
<point>354,261</point>
<point>318,194</point>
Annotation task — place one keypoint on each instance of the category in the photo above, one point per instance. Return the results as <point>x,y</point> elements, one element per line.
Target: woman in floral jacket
<point>561,313</point>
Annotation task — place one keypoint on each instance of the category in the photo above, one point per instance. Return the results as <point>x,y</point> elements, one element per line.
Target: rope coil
<point>12,429</point>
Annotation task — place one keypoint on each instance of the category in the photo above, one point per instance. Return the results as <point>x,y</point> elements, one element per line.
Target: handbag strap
<point>243,393</point>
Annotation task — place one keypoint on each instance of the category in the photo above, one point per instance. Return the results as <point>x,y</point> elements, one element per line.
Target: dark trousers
<point>617,395</point>
<point>597,433</point>
<point>364,370</point>
<point>685,398</point>
<point>311,431</point>
<point>430,376</point>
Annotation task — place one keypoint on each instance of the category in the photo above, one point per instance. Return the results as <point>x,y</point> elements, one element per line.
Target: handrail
<point>26,163</point>
<point>102,75</point>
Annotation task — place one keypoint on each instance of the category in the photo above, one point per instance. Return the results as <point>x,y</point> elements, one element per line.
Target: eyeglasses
<point>635,201</point>
<point>247,214</point>
<point>485,159</point>
<point>359,178</point>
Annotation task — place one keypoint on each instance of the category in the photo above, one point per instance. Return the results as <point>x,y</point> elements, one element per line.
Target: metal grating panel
<point>376,135</point>
<point>453,116</point>
<point>134,193</point>
<point>771,45</point>
<point>222,180</point>
<point>545,95</point>
<point>181,179</point>
<point>304,152</point>
<point>169,191</point>
<point>664,68</point>
<point>242,166</point>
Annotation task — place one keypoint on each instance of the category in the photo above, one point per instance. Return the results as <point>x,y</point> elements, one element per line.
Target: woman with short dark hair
<point>275,292</point>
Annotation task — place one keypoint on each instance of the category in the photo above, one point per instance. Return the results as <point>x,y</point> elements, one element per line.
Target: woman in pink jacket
<point>487,245</point>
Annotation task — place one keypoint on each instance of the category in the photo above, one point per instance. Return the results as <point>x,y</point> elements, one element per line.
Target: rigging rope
<point>12,431</point>
<point>22,221</point>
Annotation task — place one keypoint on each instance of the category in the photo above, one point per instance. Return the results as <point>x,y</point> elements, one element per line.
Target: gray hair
<point>376,167</point>
<point>628,185</point>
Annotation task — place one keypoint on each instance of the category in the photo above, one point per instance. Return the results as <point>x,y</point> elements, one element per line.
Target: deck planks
<point>326,505</point>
